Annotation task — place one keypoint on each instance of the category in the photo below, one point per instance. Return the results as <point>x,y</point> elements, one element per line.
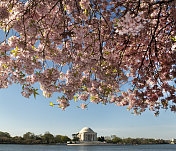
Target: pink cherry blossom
<point>119,52</point>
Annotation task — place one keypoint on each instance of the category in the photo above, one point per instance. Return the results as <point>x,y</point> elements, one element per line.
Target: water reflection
<point>169,147</point>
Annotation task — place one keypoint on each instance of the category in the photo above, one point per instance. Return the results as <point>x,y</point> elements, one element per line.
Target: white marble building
<point>173,141</point>
<point>87,135</point>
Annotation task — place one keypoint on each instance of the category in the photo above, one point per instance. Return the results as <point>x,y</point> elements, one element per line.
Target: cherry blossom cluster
<point>117,51</point>
<point>129,25</point>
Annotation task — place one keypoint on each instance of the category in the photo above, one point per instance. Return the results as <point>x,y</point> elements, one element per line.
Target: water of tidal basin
<point>167,147</point>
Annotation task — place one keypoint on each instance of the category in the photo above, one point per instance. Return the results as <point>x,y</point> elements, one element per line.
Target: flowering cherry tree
<point>100,51</point>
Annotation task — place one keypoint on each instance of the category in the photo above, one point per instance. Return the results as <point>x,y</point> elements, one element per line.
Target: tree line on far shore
<point>134,141</point>
<point>31,138</point>
<point>48,138</point>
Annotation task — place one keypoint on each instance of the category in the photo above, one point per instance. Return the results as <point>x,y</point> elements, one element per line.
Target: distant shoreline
<point>86,144</point>
<point>50,139</point>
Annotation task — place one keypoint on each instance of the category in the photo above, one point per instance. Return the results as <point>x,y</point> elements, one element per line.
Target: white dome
<point>86,130</point>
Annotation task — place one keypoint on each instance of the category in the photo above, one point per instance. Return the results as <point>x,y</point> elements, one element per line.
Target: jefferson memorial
<point>87,135</point>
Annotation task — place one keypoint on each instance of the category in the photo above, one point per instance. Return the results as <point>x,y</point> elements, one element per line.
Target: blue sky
<point>19,115</point>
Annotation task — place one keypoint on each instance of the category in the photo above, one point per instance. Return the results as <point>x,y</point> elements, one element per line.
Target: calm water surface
<point>87,148</point>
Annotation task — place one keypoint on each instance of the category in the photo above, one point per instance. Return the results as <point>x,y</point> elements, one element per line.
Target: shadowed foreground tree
<point>101,139</point>
<point>89,49</point>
